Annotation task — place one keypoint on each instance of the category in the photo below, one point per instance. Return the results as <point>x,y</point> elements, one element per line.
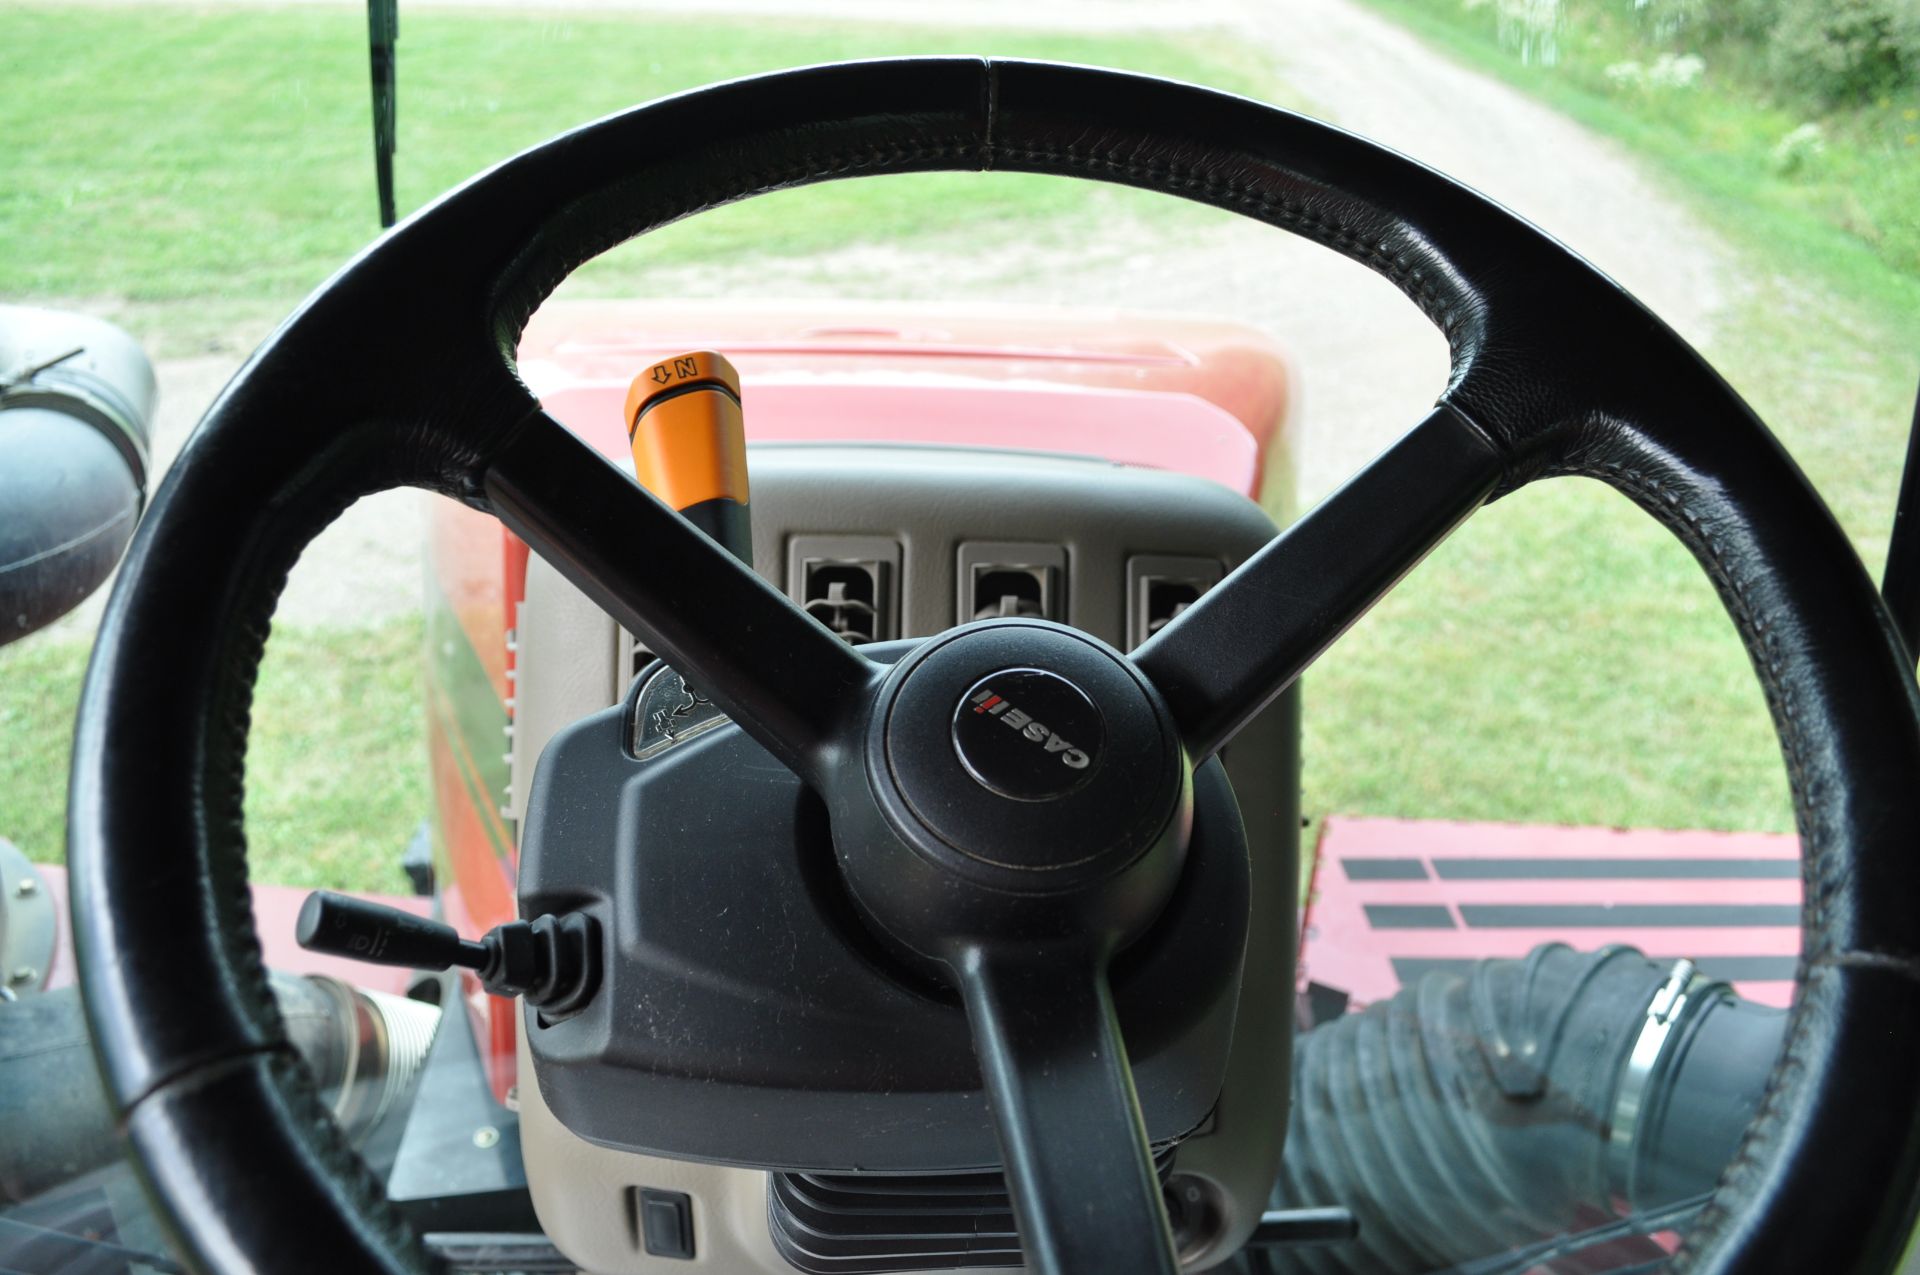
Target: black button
<point>666,1222</point>
<point>1028,734</point>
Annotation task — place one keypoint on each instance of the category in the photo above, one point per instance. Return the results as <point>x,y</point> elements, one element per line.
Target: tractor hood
<point>1195,396</point>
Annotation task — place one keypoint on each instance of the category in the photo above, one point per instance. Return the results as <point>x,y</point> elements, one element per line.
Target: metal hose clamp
<point>1685,986</point>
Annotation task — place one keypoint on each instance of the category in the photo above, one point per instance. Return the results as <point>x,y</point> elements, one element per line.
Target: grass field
<point>222,156</point>
<point>1560,660</point>
<point>336,764</point>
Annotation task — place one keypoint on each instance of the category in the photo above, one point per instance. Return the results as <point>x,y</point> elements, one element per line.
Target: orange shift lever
<point>690,443</point>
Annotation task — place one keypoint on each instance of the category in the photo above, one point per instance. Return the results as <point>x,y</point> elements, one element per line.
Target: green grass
<point>336,764</point>
<point>39,690</point>
<point>1561,660</point>
<point>223,156</point>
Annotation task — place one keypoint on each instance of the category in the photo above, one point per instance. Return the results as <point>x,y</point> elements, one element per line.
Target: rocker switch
<point>666,1223</point>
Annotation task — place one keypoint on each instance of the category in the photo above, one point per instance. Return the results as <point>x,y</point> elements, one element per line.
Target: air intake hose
<point>1473,1114</point>
<point>363,1049</point>
<point>76,395</point>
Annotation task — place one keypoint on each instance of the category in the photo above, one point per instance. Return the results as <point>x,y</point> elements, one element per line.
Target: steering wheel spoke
<point>789,682</point>
<point>1225,657</point>
<point>1079,1170</point>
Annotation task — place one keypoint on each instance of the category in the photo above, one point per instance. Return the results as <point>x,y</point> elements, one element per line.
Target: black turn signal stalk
<point>553,961</point>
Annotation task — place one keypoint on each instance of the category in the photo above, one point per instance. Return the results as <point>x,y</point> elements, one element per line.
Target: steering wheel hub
<point>1027,757</point>
<point>1051,735</point>
<point>968,825</point>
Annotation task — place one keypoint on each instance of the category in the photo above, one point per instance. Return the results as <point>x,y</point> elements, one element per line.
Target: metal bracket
<point>29,923</point>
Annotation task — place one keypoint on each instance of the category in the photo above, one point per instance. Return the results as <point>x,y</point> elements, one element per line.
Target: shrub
<point>1845,51</point>
<point>1740,21</point>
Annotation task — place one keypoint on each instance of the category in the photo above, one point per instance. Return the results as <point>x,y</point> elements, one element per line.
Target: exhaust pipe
<point>76,398</point>
<point>364,1050</point>
<point>1470,1116</point>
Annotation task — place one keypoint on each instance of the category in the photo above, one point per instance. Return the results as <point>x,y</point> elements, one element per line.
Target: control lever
<point>553,961</point>
<point>689,444</point>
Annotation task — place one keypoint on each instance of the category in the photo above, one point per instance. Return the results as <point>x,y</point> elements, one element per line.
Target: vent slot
<point>1166,599</point>
<point>848,583</point>
<point>999,580</point>
<point>1160,587</point>
<point>848,1223</point>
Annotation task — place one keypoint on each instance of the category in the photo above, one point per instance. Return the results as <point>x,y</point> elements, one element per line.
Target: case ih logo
<point>986,701</point>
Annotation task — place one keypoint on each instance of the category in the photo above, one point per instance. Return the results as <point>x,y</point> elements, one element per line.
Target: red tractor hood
<point>1201,397</point>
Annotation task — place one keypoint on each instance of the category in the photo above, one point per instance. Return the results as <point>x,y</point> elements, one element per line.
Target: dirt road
<point>1369,364</point>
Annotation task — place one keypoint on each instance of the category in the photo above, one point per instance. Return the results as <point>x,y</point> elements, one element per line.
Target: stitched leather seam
<point>989,111</point>
<point>224,836</point>
<point>369,1197</point>
<point>872,159</point>
<point>1378,253</point>
<point>1665,504</point>
<point>1716,1216</point>
<point>1661,500</point>
<point>1890,962</point>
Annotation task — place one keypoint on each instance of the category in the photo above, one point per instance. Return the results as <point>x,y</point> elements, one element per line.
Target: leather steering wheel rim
<point>398,371</point>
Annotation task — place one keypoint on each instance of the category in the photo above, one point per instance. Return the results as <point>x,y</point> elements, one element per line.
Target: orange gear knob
<point>690,445</point>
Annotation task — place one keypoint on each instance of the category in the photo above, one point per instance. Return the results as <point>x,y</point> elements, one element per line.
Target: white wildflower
<point>1793,151</point>
<point>1669,71</point>
<point>1677,71</point>
<point>1628,75</point>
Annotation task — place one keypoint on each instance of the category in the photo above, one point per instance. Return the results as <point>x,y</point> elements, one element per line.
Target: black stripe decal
<point>1404,916</point>
<point>1733,969</point>
<point>1549,916</point>
<point>1384,869</point>
<point>1614,869</point>
<point>1746,969</point>
<point>1411,969</point>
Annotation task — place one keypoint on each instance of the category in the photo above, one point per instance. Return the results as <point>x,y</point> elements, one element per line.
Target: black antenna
<point>1901,585</point>
<point>383,29</point>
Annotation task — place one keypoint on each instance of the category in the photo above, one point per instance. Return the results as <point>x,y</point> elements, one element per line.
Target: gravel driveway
<point>1369,363</point>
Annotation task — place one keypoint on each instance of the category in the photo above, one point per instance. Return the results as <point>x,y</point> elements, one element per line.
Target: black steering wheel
<point>400,371</point>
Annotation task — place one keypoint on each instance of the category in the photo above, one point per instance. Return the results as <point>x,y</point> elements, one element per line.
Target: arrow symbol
<point>660,374</point>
